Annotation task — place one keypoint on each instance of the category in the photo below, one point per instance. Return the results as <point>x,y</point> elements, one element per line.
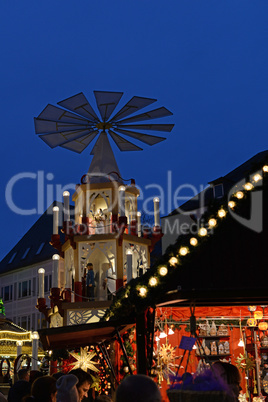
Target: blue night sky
<point>205,60</point>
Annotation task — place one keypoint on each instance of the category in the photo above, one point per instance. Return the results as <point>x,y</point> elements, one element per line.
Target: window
<point>12,258</point>
<point>24,289</point>
<point>25,254</point>
<point>7,293</point>
<point>25,322</point>
<point>15,291</point>
<point>47,283</point>
<point>40,248</point>
<point>34,286</point>
<point>33,323</point>
<point>218,191</point>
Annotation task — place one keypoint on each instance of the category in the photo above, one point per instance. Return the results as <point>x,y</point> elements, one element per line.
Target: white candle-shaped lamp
<point>55,220</point>
<point>35,341</point>
<point>122,190</point>
<point>55,270</point>
<point>139,223</point>
<point>156,212</point>
<point>66,206</point>
<point>129,265</point>
<point>41,288</point>
<point>19,347</point>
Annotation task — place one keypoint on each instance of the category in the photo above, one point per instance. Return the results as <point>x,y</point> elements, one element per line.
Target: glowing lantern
<point>263,326</point>
<point>251,322</point>
<point>258,315</point>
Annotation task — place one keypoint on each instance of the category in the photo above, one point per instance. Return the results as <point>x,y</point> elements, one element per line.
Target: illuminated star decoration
<point>84,360</point>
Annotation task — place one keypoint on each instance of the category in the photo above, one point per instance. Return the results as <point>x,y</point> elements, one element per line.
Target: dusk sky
<point>205,60</point>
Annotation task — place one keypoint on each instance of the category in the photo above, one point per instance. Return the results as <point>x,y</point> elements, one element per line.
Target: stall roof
<point>217,297</point>
<point>73,336</point>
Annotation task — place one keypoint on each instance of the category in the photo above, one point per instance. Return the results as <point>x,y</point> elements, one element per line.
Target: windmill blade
<point>80,144</point>
<point>136,103</point>
<point>123,145</point>
<point>50,127</point>
<point>80,105</point>
<point>56,139</point>
<point>152,114</point>
<point>153,127</point>
<point>147,139</point>
<point>107,102</point>
<point>55,113</point>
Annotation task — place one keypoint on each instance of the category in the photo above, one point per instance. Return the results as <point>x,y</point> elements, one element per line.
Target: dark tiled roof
<point>247,167</point>
<point>38,234</point>
<point>8,325</point>
<point>228,180</point>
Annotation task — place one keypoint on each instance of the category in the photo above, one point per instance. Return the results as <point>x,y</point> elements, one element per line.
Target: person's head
<point>44,389</point>
<point>58,375</point>
<point>138,388</point>
<point>34,374</point>
<point>67,391</point>
<point>84,382</point>
<point>90,266</point>
<point>229,374</point>
<point>23,374</point>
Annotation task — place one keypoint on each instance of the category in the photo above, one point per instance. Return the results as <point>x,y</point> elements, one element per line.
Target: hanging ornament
<point>167,354</point>
<point>126,369</point>
<point>245,363</point>
<point>265,383</point>
<point>258,315</point>
<point>251,322</point>
<point>263,326</point>
<point>84,360</point>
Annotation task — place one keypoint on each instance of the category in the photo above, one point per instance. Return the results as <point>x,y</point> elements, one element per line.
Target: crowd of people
<point>76,386</point>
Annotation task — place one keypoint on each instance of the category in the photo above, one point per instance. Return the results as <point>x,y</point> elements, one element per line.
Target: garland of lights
<point>142,292</point>
<point>129,342</point>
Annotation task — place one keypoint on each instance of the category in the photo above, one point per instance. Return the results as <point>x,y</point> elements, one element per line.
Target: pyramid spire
<point>103,165</point>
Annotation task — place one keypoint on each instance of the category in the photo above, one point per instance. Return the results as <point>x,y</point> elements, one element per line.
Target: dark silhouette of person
<point>21,388</point>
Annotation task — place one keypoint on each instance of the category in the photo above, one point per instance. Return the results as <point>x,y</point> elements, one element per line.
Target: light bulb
<point>202,232</point>
<point>193,241</point>
<point>257,177</point>
<point>170,331</point>
<point>163,271</point>
<point>239,195</point>
<point>162,335</point>
<point>143,291</point>
<point>265,168</point>
<point>241,343</point>
<point>157,338</point>
<point>173,261</point>
<point>153,281</point>
<point>183,251</point>
<point>221,213</point>
<point>248,186</point>
<point>212,222</point>
<point>231,204</point>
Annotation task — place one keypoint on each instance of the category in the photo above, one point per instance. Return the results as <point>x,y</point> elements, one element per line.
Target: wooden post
<point>141,344</point>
